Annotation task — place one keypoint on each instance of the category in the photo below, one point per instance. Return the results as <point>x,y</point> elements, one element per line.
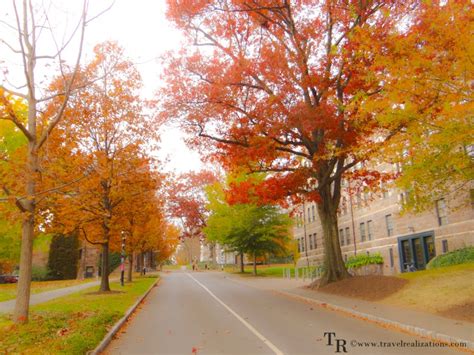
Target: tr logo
<point>340,344</point>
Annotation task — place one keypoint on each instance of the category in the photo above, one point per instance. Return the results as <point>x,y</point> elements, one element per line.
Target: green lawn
<point>72,324</point>
<point>264,270</point>
<point>8,291</point>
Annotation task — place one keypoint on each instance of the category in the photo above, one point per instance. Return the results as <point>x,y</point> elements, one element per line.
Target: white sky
<point>140,27</point>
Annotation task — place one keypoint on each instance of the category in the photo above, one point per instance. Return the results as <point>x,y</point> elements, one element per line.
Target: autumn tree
<point>428,70</point>
<point>27,25</point>
<point>170,240</point>
<point>144,224</point>
<point>186,201</point>
<point>276,86</point>
<point>106,137</point>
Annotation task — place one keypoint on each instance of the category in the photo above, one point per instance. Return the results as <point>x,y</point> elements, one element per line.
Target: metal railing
<point>304,273</point>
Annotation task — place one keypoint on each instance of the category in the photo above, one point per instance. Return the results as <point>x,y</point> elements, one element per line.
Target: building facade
<point>375,223</point>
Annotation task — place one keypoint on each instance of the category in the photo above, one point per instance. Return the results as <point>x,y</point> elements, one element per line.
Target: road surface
<point>209,313</point>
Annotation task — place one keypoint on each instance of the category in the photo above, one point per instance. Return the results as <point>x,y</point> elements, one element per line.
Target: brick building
<point>374,223</point>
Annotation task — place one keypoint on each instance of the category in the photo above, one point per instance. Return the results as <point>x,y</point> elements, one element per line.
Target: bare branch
<point>68,90</point>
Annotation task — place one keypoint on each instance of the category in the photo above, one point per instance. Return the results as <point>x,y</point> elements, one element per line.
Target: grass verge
<point>8,291</point>
<point>72,324</point>
<point>438,290</point>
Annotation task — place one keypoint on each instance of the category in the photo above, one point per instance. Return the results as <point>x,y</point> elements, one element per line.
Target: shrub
<point>363,259</point>
<point>39,273</point>
<point>114,261</point>
<point>63,257</point>
<point>460,256</point>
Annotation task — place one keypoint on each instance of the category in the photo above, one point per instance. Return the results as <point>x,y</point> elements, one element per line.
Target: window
<point>442,212</point>
<point>310,242</point>
<point>390,251</point>
<point>344,205</point>
<point>315,241</point>
<point>369,230</point>
<point>309,216</point>
<point>348,235</point>
<point>385,191</point>
<point>389,223</point>
<point>341,236</point>
<point>313,213</point>
<point>445,246</point>
<point>362,232</point>
<point>359,200</point>
<point>302,245</point>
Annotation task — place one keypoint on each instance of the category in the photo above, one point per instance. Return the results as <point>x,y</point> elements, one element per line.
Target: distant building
<point>373,223</point>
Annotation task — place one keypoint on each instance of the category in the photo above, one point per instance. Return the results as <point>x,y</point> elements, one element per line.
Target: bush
<point>363,259</point>
<point>63,257</point>
<point>460,256</point>
<point>114,261</point>
<point>39,273</point>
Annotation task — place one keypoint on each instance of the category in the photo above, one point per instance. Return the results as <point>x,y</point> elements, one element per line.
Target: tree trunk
<point>104,277</point>
<point>254,264</point>
<point>242,270</point>
<point>335,268</point>
<point>20,314</point>
<point>22,303</point>
<point>130,267</point>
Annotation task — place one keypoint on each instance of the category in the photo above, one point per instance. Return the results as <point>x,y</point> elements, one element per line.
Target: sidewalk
<point>420,323</point>
<point>8,306</point>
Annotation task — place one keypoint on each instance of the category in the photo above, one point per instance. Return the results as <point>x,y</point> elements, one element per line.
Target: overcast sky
<point>141,28</point>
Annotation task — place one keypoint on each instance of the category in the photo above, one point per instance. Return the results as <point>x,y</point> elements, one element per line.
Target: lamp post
<point>122,260</point>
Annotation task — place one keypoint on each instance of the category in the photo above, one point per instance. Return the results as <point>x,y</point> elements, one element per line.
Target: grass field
<point>436,290</point>
<point>275,270</point>
<point>8,291</point>
<point>73,324</point>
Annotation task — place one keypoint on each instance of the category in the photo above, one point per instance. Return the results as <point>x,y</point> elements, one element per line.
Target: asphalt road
<point>209,313</point>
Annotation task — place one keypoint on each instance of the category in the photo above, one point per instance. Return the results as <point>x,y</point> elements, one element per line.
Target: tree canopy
<point>254,229</point>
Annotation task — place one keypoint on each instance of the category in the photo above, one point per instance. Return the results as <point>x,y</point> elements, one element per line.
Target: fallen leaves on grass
<point>62,332</point>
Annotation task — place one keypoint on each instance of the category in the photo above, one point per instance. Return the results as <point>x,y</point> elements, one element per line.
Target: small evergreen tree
<point>63,257</point>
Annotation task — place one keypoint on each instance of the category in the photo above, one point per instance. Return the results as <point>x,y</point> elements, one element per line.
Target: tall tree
<point>28,23</point>
<point>276,86</point>
<point>428,70</point>
<point>105,133</point>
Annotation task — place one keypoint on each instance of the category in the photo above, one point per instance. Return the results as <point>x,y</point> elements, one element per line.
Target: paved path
<point>8,306</point>
<point>209,313</point>
<point>450,327</point>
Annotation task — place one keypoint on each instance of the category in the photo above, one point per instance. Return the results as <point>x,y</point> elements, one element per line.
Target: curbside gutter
<point>411,329</point>
<point>109,336</point>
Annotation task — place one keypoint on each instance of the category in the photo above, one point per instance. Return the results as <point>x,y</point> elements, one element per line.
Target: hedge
<point>363,259</point>
<point>460,256</point>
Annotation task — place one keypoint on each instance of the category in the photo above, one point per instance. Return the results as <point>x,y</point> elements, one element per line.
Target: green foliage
<point>114,261</point>
<point>460,256</point>
<point>63,257</point>
<point>248,228</point>
<point>42,243</point>
<point>9,246</point>
<point>363,259</point>
<point>40,273</point>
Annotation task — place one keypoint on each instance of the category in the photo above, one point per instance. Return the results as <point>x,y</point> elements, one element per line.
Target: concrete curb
<point>109,336</point>
<point>430,334</point>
